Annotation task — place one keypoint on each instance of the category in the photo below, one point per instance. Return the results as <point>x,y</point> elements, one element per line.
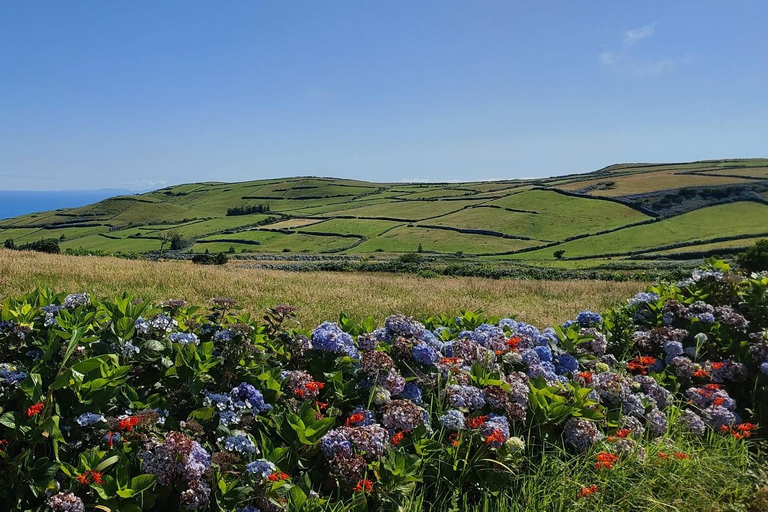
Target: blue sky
<point>139,94</point>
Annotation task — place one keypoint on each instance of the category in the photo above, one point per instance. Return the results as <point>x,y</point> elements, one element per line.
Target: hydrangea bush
<point>129,406</point>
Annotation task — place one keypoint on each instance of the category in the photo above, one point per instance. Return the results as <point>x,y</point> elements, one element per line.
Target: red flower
<point>477,421</point>
<point>663,455</point>
<point>314,385</point>
<point>605,460</point>
<point>724,428</point>
<point>90,476</point>
<point>397,438</point>
<point>454,439</point>
<point>700,374</point>
<point>497,436</point>
<point>514,341</point>
<point>364,485</point>
<point>299,392</point>
<point>717,366</point>
<point>451,360</point>
<point>712,387</point>
<point>588,491</point>
<point>35,409</point>
<point>718,401</point>
<point>641,364</point>
<point>355,418</point>
<point>680,455</point>
<point>745,427</point>
<point>624,432</point>
<point>587,376</point>
<point>278,476</point>
<point>321,405</point>
<point>128,423</point>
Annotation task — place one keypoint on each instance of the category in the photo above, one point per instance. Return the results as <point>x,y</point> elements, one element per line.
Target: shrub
<point>208,259</point>
<point>755,258</point>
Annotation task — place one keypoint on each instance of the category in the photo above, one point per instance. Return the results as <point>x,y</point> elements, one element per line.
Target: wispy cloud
<point>627,64</point>
<point>624,60</point>
<point>142,185</point>
<point>636,34</point>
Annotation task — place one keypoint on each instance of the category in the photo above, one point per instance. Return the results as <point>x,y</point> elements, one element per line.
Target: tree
<point>420,249</point>
<point>171,237</point>
<point>177,243</point>
<point>9,244</point>
<point>755,258</point>
<point>559,254</point>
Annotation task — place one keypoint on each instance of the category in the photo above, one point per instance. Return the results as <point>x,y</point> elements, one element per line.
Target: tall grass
<point>316,294</point>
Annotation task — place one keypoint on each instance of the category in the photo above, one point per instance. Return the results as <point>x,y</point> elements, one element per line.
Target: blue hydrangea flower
<point>10,375</point>
<point>465,397</point>
<point>764,368</point>
<point>224,335</point>
<point>329,337</point>
<point>673,348</point>
<point>336,442</point>
<point>508,323</point>
<point>111,438</point>
<point>424,354</point>
<point>239,443</point>
<point>261,467</point>
<point>544,353</point>
<point>89,418</point>
<point>184,338</point>
<point>412,392</point>
<point>453,419</point>
<point>566,363</point>
<point>588,318</point>
<point>643,298</point>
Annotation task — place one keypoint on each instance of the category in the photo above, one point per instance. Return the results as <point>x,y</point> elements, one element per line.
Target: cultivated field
<point>318,295</point>
<point>630,212</point>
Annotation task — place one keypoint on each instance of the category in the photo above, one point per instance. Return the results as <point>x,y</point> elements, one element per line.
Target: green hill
<point>628,211</point>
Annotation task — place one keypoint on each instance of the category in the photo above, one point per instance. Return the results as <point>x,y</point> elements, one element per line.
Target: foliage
<point>755,258</point>
<point>208,259</point>
<point>249,209</point>
<point>136,406</point>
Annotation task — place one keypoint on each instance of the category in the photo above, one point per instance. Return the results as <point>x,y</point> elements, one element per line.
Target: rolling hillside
<point>622,212</point>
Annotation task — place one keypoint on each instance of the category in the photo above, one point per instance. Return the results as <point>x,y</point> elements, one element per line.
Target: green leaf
<point>142,482</point>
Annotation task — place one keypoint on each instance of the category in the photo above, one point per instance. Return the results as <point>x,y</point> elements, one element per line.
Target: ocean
<point>14,202</point>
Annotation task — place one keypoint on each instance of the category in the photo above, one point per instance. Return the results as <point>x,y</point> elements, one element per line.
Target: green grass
<point>369,228</point>
<point>198,212</point>
<point>557,217</point>
<point>276,242</point>
<point>409,210</point>
<point>122,245</point>
<point>406,239</point>
<point>741,218</point>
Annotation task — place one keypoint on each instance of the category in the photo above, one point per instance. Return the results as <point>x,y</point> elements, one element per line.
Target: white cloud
<point>625,61</point>
<point>142,185</point>
<point>636,34</point>
<point>627,64</point>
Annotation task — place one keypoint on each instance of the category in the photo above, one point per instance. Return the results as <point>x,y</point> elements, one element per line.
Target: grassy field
<point>706,223</point>
<point>691,203</point>
<point>316,294</point>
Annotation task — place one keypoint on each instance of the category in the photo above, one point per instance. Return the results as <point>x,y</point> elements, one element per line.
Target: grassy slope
<point>315,294</point>
<point>519,208</point>
<point>741,218</point>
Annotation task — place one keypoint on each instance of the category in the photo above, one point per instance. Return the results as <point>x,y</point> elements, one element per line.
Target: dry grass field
<point>318,295</point>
